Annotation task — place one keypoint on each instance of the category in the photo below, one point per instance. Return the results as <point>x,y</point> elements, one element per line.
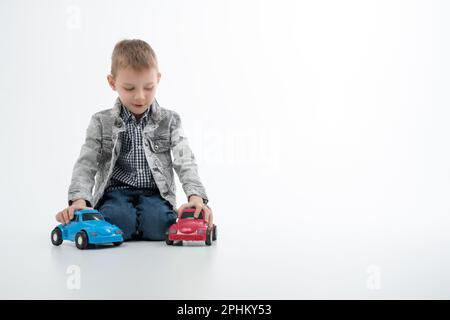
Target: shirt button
<point>156,147</point>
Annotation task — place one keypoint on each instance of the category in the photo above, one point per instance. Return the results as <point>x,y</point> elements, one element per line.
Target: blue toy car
<point>87,227</point>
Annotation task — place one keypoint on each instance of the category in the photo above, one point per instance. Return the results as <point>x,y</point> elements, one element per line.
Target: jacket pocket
<point>160,144</point>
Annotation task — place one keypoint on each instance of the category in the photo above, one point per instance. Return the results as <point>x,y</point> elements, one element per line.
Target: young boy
<point>127,159</point>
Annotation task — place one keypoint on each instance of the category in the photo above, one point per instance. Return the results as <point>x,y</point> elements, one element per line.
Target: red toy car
<point>191,229</point>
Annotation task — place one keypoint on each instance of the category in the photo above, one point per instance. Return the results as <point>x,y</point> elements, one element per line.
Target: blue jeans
<point>140,213</point>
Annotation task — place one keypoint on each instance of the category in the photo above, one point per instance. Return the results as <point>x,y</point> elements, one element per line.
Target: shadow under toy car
<point>191,229</point>
<point>88,227</point>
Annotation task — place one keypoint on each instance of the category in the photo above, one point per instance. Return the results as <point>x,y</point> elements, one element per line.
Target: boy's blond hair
<point>133,53</point>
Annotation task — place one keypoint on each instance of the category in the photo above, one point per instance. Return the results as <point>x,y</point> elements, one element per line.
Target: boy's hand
<point>197,203</point>
<point>67,214</point>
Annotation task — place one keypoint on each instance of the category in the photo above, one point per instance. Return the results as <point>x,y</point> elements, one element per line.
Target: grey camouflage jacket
<point>165,145</point>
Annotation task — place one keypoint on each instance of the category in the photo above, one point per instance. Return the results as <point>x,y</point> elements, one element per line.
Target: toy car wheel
<point>208,240</point>
<point>214,236</point>
<point>116,244</point>
<point>81,240</point>
<point>169,242</point>
<point>57,237</point>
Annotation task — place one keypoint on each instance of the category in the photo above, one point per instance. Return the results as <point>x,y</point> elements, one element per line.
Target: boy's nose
<point>139,95</point>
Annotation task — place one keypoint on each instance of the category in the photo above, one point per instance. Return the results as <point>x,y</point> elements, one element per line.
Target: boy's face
<point>136,88</point>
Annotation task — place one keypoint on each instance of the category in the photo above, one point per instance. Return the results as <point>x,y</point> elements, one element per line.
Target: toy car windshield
<point>92,216</point>
<point>190,215</point>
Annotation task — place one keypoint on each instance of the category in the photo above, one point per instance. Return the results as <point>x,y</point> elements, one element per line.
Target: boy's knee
<point>124,219</point>
<point>155,223</point>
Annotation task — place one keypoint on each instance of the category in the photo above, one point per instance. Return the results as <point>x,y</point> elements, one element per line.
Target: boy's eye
<point>129,89</point>
<point>149,88</point>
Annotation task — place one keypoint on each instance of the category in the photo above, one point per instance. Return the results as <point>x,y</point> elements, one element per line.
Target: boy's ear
<point>159,76</point>
<point>111,81</point>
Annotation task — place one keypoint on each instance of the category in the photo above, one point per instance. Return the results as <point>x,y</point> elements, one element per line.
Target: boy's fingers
<point>206,214</point>
<point>65,216</point>
<point>69,216</point>
<point>71,212</point>
<point>76,208</point>
<point>210,216</point>
<point>182,208</point>
<point>198,208</point>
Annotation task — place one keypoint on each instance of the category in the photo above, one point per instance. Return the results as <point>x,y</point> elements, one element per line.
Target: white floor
<point>305,265</point>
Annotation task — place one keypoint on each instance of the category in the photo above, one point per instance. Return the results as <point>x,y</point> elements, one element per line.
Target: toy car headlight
<point>173,231</point>
<point>118,231</point>
<point>200,231</point>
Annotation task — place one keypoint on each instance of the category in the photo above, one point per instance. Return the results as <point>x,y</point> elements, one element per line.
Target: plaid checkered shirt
<point>131,169</point>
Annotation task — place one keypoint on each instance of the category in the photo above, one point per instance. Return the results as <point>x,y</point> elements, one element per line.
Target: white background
<point>320,129</point>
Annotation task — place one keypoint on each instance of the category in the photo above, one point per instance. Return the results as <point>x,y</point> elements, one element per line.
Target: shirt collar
<point>128,116</point>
